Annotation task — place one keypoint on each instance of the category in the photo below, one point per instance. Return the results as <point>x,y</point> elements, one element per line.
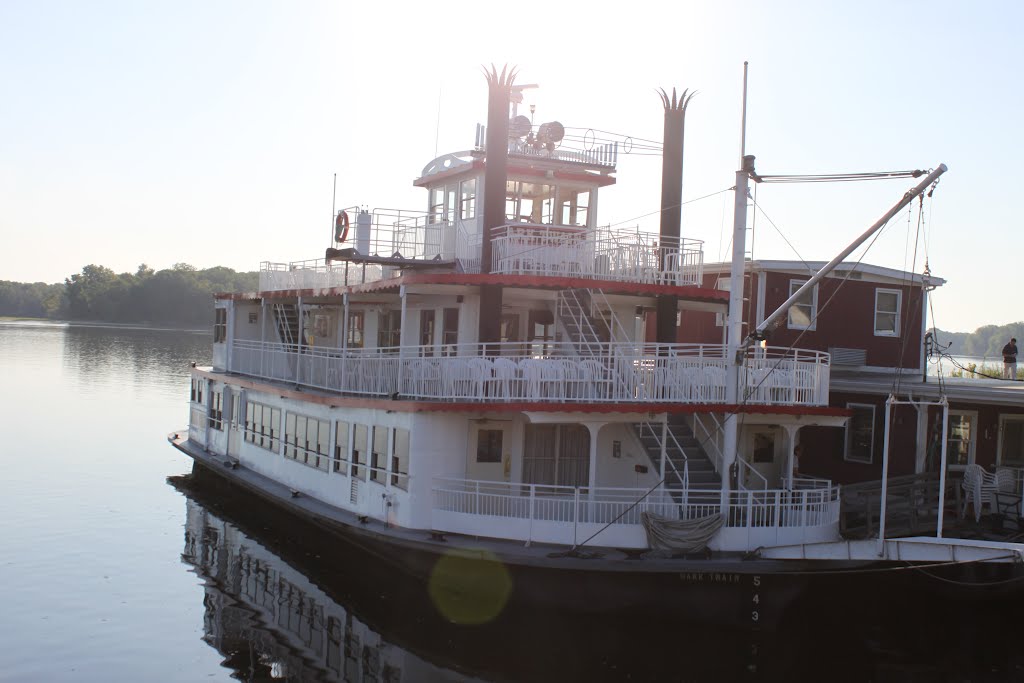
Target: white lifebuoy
<point>341,227</point>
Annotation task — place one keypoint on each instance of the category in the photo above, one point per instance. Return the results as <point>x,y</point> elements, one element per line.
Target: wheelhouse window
<point>573,206</point>
<point>860,433</point>
<point>803,313</point>
<point>887,312</point>
<point>467,199</point>
<point>220,326</point>
<point>354,337</point>
<point>527,202</point>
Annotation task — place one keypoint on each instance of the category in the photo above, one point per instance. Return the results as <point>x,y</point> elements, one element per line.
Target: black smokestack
<point>671,203</point>
<point>499,88</point>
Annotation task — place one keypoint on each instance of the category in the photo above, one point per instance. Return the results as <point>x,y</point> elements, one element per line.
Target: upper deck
<point>390,242</point>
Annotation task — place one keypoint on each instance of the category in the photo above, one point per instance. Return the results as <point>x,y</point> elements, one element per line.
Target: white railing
<point>655,431</point>
<point>520,249</point>
<point>509,372</point>
<point>565,251</point>
<point>564,514</point>
<point>783,508</point>
<point>797,377</point>
<point>315,274</point>
<point>747,473</point>
<point>710,437</point>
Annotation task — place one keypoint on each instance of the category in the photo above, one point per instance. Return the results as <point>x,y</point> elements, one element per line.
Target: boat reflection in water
<point>280,605</point>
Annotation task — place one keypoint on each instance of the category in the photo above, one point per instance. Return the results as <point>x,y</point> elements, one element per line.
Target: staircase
<point>684,454</point>
<point>286,318</point>
<point>583,330</point>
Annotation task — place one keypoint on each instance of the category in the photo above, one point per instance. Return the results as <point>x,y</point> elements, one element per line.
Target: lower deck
<point>564,478</point>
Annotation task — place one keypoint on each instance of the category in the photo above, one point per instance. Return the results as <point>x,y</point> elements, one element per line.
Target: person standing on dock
<point>1010,359</point>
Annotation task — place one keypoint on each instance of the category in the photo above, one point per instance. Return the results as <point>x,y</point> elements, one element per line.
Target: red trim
<point>407,406</point>
<point>689,293</point>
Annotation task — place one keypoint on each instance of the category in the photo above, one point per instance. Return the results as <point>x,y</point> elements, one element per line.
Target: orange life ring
<point>341,227</point>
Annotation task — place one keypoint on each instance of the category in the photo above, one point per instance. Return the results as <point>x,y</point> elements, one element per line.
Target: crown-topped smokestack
<point>671,202</point>
<point>499,86</point>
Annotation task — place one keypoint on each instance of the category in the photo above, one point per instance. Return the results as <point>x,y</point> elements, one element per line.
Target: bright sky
<point>208,131</point>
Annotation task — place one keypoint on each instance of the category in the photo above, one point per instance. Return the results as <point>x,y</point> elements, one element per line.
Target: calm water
<point>113,572</point>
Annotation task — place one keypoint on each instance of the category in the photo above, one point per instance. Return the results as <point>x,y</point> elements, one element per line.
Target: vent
<point>844,356</point>
<point>354,492</point>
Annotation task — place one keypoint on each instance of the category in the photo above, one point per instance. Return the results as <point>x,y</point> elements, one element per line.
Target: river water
<point>117,564</point>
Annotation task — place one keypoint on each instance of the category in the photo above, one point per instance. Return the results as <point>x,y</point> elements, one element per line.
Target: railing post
<point>476,498</point>
<point>575,513</point>
<point>529,533</point>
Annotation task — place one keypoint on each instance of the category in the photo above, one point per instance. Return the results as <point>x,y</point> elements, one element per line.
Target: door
<point>761,453</point>
<point>234,426</point>
<point>1010,452</point>
<point>490,455</point>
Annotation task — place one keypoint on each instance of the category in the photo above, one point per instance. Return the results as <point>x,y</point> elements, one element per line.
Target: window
<point>467,199</point>
<point>450,331</point>
<point>400,459</point>
<point>359,448</point>
<point>215,418</point>
<point>573,205</point>
<point>196,392</point>
<point>378,455</point>
<point>263,425</point>
<point>488,445</point>
<point>803,313</point>
<point>529,202</point>
<point>427,332</point>
<point>887,312</point>
<point>556,455</point>
<point>961,439</point>
<point>220,326</point>
<point>860,433</point>
<point>306,440</point>
<point>356,325</point>
<point>341,452</point>
<point>389,330</point>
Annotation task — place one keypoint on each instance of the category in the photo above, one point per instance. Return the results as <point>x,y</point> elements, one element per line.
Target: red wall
<point>845,318</point>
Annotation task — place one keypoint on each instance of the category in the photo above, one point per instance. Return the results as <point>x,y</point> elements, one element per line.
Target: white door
<point>762,453</point>
<point>489,457</point>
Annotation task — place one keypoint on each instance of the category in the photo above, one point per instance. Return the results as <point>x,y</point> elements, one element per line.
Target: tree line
<point>987,340</point>
<point>180,295</point>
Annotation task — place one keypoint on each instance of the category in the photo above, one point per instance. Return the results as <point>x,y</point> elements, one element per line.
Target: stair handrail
<point>707,439</point>
<point>578,315</point>
<point>618,332</point>
<point>749,468</point>
<point>685,476</point>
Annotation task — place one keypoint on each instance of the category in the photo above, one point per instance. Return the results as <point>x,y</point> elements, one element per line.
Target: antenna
<point>334,196</point>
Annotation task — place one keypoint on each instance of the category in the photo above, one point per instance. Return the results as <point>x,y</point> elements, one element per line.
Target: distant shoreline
<point>49,322</point>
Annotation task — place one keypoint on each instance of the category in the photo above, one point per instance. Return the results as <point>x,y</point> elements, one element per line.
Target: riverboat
<point>471,392</point>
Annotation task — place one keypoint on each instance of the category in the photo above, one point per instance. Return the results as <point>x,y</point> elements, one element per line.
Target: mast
<point>730,429</point>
